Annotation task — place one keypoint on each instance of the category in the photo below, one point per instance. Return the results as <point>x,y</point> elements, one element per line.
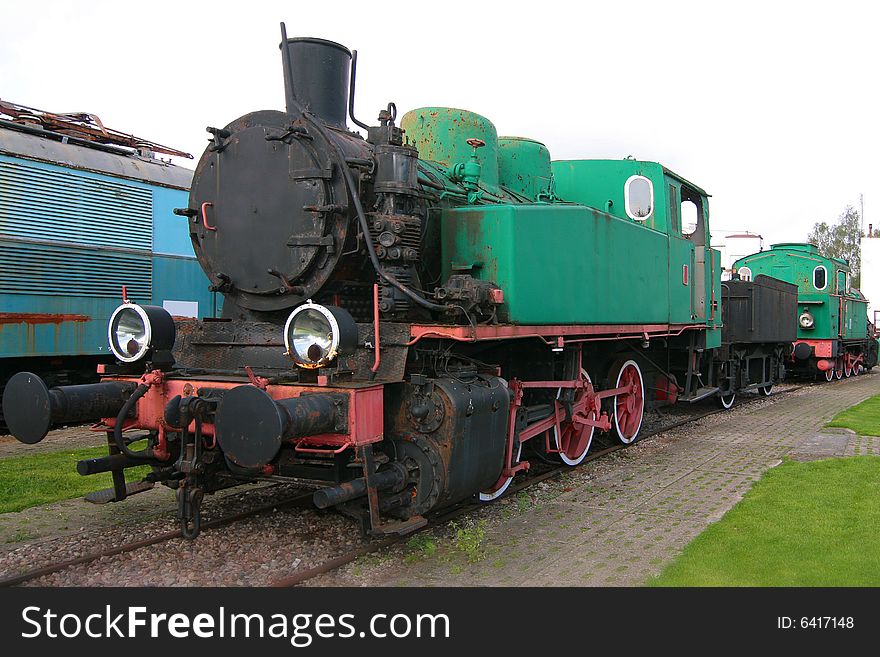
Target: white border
<point>626,197</point>
<point>641,419</point>
<point>557,438</point>
<point>148,330</point>
<point>813,280</point>
<point>334,331</point>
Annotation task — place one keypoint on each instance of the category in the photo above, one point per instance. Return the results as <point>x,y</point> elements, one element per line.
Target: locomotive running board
<point>109,494</point>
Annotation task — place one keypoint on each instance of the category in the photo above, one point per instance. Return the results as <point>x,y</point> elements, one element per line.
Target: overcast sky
<point>769,106</point>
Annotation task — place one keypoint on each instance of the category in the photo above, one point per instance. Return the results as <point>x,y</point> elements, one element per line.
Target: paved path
<point>66,438</point>
<point>620,523</point>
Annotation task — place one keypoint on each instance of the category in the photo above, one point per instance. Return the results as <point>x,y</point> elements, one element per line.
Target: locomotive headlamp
<point>806,320</point>
<point>135,331</point>
<point>314,334</point>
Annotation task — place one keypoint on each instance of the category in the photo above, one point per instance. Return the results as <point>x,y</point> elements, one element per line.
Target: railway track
<point>304,500</point>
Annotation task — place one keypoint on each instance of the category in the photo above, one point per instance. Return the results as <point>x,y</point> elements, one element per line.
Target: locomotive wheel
<point>829,375</point>
<point>847,367</point>
<point>838,369</point>
<point>629,408</point>
<point>576,438</point>
<point>726,401</point>
<point>766,391</point>
<point>504,482</point>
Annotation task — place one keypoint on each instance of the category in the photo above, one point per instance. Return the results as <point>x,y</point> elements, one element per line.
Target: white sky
<point>769,106</point>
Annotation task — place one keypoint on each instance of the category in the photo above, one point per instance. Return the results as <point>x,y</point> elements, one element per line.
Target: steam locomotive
<point>835,336</point>
<point>414,317</point>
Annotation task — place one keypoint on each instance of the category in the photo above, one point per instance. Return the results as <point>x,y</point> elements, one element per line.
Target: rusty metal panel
<point>46,202</point>
<point>47,149</point>
<point>231,345</point>
<point>367,416</point>
<point>53,325</point>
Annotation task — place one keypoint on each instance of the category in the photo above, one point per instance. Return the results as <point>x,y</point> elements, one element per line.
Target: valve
<point>468,173</point>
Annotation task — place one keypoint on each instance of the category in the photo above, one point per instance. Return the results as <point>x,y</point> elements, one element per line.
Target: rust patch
<point>40,318</point>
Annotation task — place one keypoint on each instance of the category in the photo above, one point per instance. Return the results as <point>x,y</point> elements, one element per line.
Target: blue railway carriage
<point>80,218</point>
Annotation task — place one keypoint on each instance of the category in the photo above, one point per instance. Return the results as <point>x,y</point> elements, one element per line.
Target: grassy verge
<point>36,479</point>
<point>802,524</point>
<point>862,418</point>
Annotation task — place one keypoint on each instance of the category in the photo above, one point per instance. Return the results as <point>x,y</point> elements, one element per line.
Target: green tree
<point>841,240</point>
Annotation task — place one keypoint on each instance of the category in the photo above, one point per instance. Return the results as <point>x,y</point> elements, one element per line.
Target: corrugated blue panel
<point>41,202</point>
<point>69,270</point>
<point>181,279</point>
<point>170,232</point>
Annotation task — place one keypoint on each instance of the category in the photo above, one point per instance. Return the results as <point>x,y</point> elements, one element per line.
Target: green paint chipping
<point>862,418</point>
<point>441,133</point>
<point>802,524</point>
<point>36,479</point>
<point>524,167</point>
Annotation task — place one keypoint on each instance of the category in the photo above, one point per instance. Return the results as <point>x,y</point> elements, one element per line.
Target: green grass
<point>862,418</point>
<point>802,524</point>
<point>36,479</point>
<point>421,546</point>
<point>470,540</point>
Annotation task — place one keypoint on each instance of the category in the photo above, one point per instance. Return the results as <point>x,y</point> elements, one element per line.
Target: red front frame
<point>366,419</point>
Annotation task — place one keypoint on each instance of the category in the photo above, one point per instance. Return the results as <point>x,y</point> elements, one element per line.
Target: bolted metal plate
<point>258,188</point>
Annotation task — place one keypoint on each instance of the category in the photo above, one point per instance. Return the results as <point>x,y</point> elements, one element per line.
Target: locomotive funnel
<point>316,76</point>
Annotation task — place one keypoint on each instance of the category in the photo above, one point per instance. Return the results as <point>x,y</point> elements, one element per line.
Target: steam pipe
<point>351,86</point>
<point>350,490</point>
<point>120,420</point>
<point>376,335</point>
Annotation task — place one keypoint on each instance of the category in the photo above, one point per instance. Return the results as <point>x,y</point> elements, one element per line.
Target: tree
<point>841,240</point>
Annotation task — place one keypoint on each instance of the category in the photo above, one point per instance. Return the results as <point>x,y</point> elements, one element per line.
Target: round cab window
<point>820,278</point>
<point>639,194</point>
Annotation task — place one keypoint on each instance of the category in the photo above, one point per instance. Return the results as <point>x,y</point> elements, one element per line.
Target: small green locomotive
<point>835,336</point>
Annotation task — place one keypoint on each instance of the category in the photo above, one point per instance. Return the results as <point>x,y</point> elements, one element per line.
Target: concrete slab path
<point>620,523</point>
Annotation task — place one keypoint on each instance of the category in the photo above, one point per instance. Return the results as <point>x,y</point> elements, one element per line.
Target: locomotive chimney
<point>316,76</point>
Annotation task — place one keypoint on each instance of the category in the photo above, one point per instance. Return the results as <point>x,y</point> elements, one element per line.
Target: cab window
<point>639,196</point>
<point>820,278</point>
<point>693,216</point>
<point>689,218</point>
